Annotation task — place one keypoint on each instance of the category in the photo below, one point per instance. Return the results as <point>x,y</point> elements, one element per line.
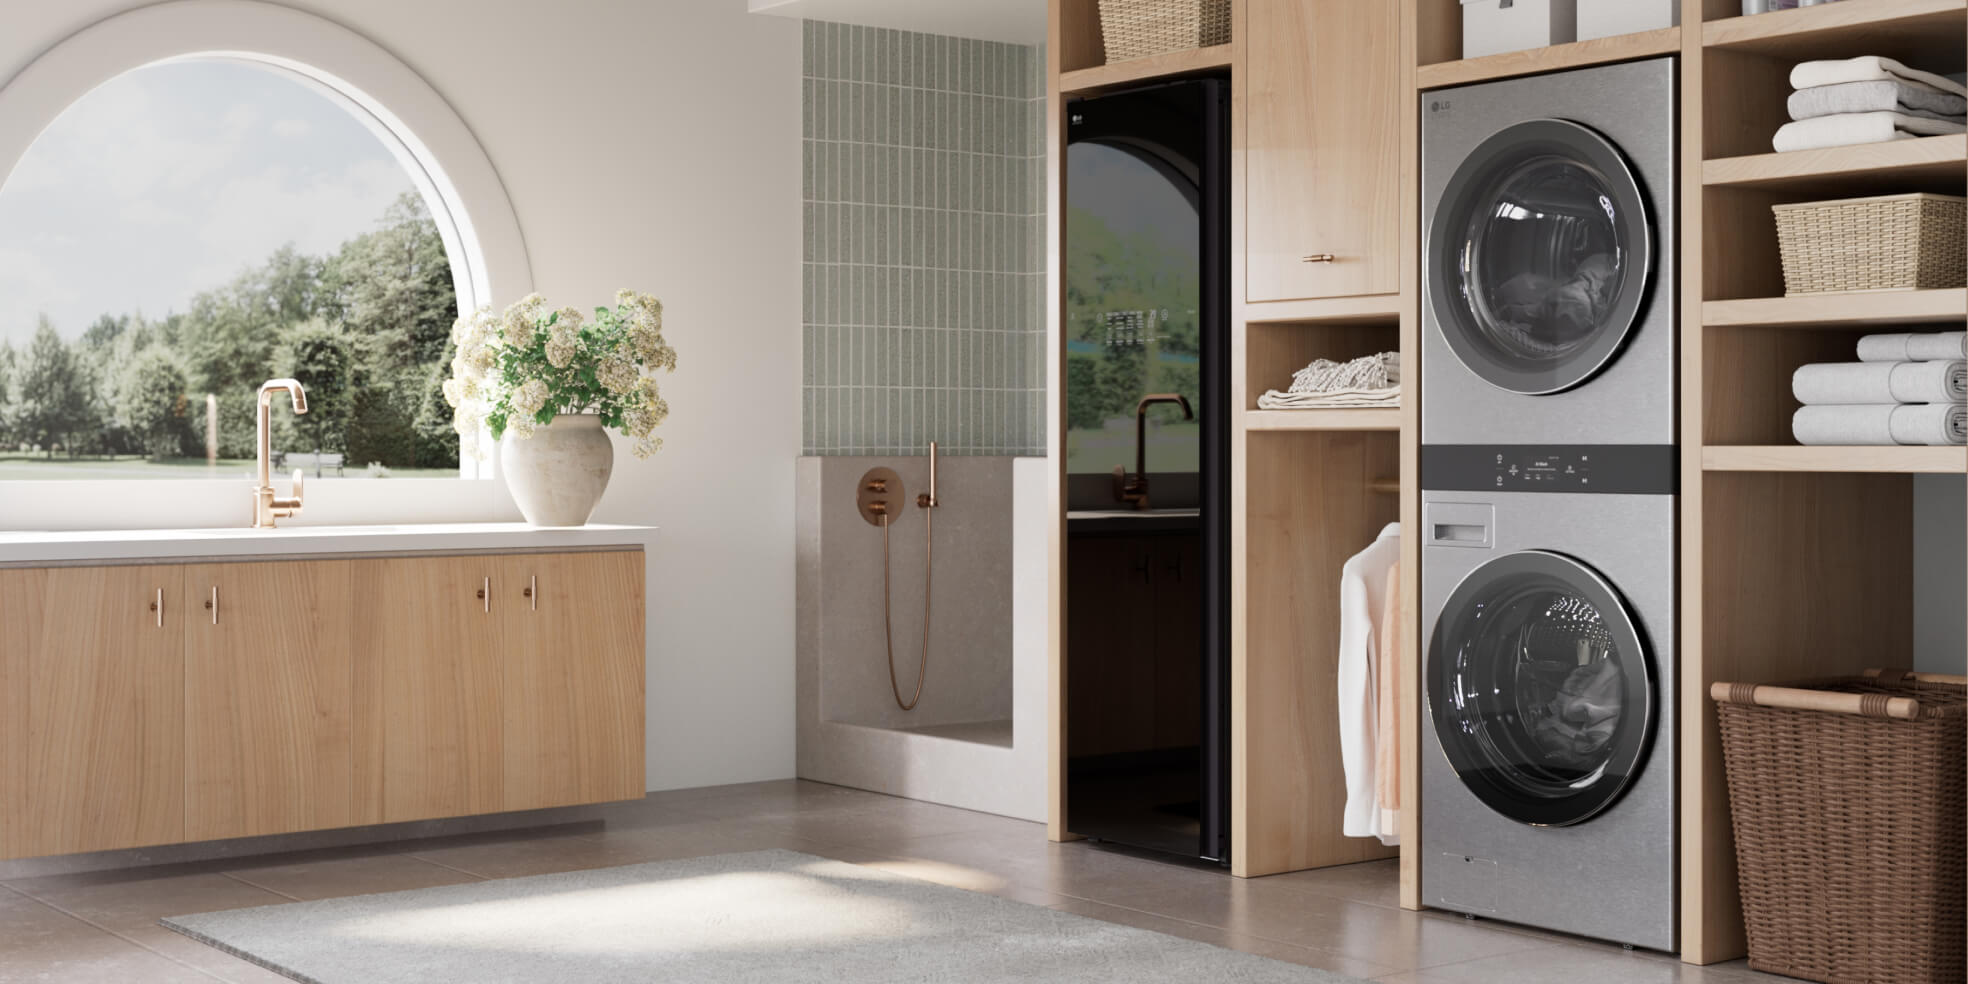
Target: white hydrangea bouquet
<point>517,371</point>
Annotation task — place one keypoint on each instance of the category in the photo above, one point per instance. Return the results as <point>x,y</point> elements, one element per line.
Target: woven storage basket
<point>1849,829</point>
<point>1139,28</point>
<point>1891,242</point>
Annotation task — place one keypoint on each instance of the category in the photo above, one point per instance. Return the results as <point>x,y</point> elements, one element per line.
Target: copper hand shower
<point>873,499</point>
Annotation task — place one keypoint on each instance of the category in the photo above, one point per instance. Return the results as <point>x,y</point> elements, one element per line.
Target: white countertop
<point>94,546</point>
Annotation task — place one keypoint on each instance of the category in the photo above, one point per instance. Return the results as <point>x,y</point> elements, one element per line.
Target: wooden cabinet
<point>91,709</point>
<point>499,683</point>
<point>158,704</point>
<point>572,707</point>
<point>1323,93</point>
<point>1136,676</point>
<point>427,689</point>
<point>268,657</point>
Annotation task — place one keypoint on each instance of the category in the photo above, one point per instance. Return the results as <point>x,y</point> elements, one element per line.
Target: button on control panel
<point>1534,469</point>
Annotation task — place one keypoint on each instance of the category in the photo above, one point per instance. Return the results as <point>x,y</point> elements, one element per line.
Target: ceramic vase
<point>558,475</point>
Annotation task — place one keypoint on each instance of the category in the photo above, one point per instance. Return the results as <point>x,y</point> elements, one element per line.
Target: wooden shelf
<point>1792,458</point>
<point>1365,309</point>
<point>1855,310</point>
<point>1357,419</point>
<point>1578,54</point>
<point>1927,164</point>
<point>1927,32</point>
<point>1174,64</point>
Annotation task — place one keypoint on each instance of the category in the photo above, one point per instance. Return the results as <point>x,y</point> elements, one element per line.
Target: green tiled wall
<point>924,254</point>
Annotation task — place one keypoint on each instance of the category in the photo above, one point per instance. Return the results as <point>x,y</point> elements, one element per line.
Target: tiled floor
<point>103,926</point>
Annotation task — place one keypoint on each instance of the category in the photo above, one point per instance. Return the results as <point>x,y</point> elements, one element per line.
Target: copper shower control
<point>879,496</point>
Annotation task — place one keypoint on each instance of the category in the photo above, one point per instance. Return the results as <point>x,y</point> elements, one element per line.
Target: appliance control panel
<point>1619,469</point>
<point>1543,470</point>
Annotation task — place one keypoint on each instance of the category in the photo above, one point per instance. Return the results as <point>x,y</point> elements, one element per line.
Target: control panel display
<point>1543,471</point>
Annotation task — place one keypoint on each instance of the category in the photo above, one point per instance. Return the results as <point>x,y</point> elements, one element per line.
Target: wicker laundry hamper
<point>1888,242</point>
<point>1139,28</point>
<point>1847,796</point>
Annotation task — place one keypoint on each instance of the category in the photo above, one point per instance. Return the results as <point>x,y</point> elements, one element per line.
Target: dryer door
<point>1539,257</point>
<point>1541,688</point>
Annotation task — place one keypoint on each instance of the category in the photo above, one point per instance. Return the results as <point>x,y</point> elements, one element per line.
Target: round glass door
<point>1540,257</point>
<point>1540,688</point>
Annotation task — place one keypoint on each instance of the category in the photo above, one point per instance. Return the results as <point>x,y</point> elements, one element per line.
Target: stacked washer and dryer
<point>1548,470</point>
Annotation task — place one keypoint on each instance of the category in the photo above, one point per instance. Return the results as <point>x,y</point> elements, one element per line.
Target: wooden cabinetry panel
<point>267,697</point>
<point>91,709</point>
<point>470,704</point>
<point>428,715</point>
<point>572,670</point>
<point>1322,148</point>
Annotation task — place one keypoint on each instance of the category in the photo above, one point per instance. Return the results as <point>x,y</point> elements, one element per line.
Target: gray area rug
<point>767,917</point>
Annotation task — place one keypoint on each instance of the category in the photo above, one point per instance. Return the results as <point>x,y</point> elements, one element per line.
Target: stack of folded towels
<point>1869,100</point>
<point>1905,389</point>
<point>1368,381</point>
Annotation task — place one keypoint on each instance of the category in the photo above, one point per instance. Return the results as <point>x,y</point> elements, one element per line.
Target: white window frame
<point>467,200</point>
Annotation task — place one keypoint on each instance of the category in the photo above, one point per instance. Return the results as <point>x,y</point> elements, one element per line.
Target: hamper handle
<point>1791,698</point>
<point>1907,676</point>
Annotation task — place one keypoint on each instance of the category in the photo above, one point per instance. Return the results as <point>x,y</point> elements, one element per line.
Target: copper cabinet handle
<point>485,593</point>
<point>1318,258</point>
<point>532,591</point>
<point>213,605</point>
<point>158,607</point>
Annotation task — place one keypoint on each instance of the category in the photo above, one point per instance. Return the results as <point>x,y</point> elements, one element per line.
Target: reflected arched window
<point>192,228</point>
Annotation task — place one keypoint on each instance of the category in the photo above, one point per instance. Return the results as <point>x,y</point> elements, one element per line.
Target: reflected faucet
<point>1134,490</point>
<point>266,506</point>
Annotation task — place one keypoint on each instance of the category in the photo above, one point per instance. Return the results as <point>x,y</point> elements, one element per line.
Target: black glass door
<point>1540,257</point>
<point>1541,689</point>
<point>1146,377</point>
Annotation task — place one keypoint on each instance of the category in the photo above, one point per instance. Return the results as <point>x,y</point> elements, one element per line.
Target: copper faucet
<point>266,506</point>
<point>1134,490</point>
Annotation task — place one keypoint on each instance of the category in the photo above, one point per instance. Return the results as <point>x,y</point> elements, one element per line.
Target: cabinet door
<point>572,663</point>
<point>1322,148</point>
<point>91,709</point>
<point>427,689</point>
<point>1110,641</point>
<point>268,660</point>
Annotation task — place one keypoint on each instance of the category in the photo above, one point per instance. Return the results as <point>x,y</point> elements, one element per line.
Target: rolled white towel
<point>1867,68</point>
<point>1848,129</point>
<point>1881,382</point>
<point>1929,424</point>
<point>1919,346</point>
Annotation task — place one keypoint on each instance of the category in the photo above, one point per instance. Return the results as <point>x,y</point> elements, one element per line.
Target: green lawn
<point>32,467</point>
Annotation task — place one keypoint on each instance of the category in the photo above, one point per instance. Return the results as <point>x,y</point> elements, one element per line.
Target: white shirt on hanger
<point>1362,595</point>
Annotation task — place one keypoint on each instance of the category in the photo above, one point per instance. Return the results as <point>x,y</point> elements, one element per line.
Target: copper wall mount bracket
<point>879,496</point>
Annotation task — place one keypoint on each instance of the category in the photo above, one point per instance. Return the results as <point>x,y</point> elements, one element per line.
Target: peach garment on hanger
<point>1387,679</point>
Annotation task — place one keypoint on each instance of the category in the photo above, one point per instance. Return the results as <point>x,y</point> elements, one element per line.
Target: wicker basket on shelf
<point>1888,242</point>
<point>1139,28</point>
<point>1847,799</point>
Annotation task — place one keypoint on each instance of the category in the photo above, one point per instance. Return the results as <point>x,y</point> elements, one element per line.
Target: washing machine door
<point>1539,257</point>
<point>1541,688</point>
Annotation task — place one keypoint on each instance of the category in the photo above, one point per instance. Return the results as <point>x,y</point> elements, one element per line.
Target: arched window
<point>354,193</point>
<point>192,228</point>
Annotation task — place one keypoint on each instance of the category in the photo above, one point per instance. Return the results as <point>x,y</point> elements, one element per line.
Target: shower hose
<point>888,628</point>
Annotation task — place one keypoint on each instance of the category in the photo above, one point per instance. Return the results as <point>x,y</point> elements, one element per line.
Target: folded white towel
<point>1876,97</point>
<point>1335,400</point>
<point>1881,382</point>
<point>1919,423</point>
<point>1867,68</point>
<point>1846,129</point>
<point>1918,346</point>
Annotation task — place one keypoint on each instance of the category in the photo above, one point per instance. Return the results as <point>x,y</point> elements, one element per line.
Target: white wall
<point>653,145</point>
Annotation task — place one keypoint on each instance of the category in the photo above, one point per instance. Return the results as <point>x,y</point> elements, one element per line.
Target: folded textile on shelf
<point>1880,382</point>
<point>1918,423</point>
<point>1868,68</point>
<point>1873,97</point>
<point>1368,381</point>
<point>1846,129</point>
<point>1915,346</point>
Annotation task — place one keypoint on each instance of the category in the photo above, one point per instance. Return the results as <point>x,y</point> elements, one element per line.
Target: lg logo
<point>1440,106</point>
